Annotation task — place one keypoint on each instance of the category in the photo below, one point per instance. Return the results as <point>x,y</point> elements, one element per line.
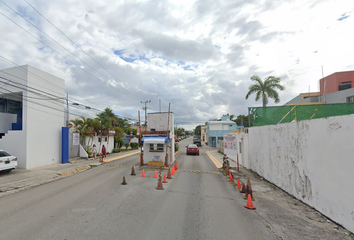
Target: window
<point>105,139</point>
<point>344,85</point>
<point>350,99</point>
<point>240,147</point>
<point>156,147</point>
<point>99,139</point>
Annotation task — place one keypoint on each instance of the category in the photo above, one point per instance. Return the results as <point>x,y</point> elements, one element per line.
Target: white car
<point>7,161</point>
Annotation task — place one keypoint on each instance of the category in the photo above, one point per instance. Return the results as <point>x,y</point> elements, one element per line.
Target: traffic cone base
<point>249,204</point>
<point>164,179</point>
<point>124,182</point>
<point>155,176</point>
<point>143,174</point>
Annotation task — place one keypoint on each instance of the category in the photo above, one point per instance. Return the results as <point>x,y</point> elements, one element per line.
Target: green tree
<point>265,89</point>
<point>134,131</point>
<point>242,120</point>
<point>197,131</point>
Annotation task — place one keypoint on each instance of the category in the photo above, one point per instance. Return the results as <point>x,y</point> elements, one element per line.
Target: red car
<point>192,149</point>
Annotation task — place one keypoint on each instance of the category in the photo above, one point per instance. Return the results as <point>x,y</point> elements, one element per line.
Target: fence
<point>261,116</point>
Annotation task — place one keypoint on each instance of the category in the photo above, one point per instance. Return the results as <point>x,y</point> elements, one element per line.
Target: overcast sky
<point>197,55</point>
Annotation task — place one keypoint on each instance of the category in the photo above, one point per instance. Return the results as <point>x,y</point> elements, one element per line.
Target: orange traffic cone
<point>173,171</point>
<point>249,204</point>
<point>143,175</point>
<point>231,178</point>
<point>176,166</point>
<point>164,179</point>
<point>238,184</point>
<point>155,176</point>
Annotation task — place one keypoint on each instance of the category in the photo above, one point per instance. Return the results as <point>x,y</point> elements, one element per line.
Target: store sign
<point>76,139</point>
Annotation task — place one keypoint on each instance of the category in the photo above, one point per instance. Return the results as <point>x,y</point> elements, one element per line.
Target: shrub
<point>116,150</point>
<point>88,149</point>
<point>126,146</point>
<point>176,147</point>
<point>134,145</point>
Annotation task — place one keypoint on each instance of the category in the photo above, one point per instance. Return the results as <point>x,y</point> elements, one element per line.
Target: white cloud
<point>198,55</point>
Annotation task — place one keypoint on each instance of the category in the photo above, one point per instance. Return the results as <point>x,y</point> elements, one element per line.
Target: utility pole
<point>145,109</point>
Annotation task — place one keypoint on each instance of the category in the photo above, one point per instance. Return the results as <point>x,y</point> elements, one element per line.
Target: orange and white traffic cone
<point>143,174</point>
<point>155,176</point>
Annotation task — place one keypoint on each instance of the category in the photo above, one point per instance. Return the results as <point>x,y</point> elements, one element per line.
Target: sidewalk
<point>286,216</point>
<point>21,179</point>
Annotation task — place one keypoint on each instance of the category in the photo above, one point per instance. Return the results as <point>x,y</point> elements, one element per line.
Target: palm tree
<point>266,89</point>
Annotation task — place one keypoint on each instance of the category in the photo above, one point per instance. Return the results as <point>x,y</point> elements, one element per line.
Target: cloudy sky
<point>196,55</point>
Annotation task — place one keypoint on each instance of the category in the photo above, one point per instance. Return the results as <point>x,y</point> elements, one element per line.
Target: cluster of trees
<point>101,125</point>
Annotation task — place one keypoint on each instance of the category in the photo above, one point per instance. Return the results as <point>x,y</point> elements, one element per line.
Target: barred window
<point>157,147</point>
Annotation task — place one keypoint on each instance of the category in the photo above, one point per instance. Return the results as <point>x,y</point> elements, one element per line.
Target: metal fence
<point>261,116</point>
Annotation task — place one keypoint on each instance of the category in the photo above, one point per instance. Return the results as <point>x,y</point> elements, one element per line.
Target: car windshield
<point>192,146</point>
<point>4,154</point>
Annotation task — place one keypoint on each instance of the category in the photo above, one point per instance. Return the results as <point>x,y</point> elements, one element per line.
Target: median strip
<point>123,156</point>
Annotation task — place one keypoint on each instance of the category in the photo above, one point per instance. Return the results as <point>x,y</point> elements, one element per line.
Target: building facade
<point>215,130</point>
<point>203,131</point>
<point>158,140</point>
<point>335,88</point>
<point>32,116</point>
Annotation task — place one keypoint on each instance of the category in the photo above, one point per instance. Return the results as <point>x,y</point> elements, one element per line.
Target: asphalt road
<point>94,205</point>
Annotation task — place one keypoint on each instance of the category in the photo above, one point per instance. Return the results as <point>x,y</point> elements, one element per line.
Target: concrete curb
<point>119,157</point>
<point>64,174</point>
<point>214,160</point>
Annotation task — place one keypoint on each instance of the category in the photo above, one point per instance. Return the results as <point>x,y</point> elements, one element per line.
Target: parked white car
<point>7,161</point>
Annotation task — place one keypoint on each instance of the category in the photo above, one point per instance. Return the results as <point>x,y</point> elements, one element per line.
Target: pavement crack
<point>269,225</point>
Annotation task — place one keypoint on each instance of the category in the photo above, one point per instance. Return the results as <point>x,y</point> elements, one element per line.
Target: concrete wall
<point>338,97</point>
<point>6,119</point>
<point>42,118</point>
<point>311,160</point>
<point>14,142</point>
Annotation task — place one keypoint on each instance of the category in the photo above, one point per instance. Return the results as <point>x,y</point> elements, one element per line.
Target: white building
<point>31,115</point>
<point>159,140</point>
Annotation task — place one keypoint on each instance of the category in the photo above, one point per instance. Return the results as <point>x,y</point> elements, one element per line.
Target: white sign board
<point>76,139</point>
<point>230,145</point>
<point>134,140</point>
<point>230,141</point>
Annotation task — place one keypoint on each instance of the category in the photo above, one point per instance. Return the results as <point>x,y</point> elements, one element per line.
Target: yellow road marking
<point>123,156</point>
<point>214,160</point>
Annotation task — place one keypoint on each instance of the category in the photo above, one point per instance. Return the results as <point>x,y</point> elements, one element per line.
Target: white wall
<point>153,156</point>
<point>312,160</point>
<point>44,119</point>
<point>158,121</point>
<point>14,143</point>
<point>6,120</point>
